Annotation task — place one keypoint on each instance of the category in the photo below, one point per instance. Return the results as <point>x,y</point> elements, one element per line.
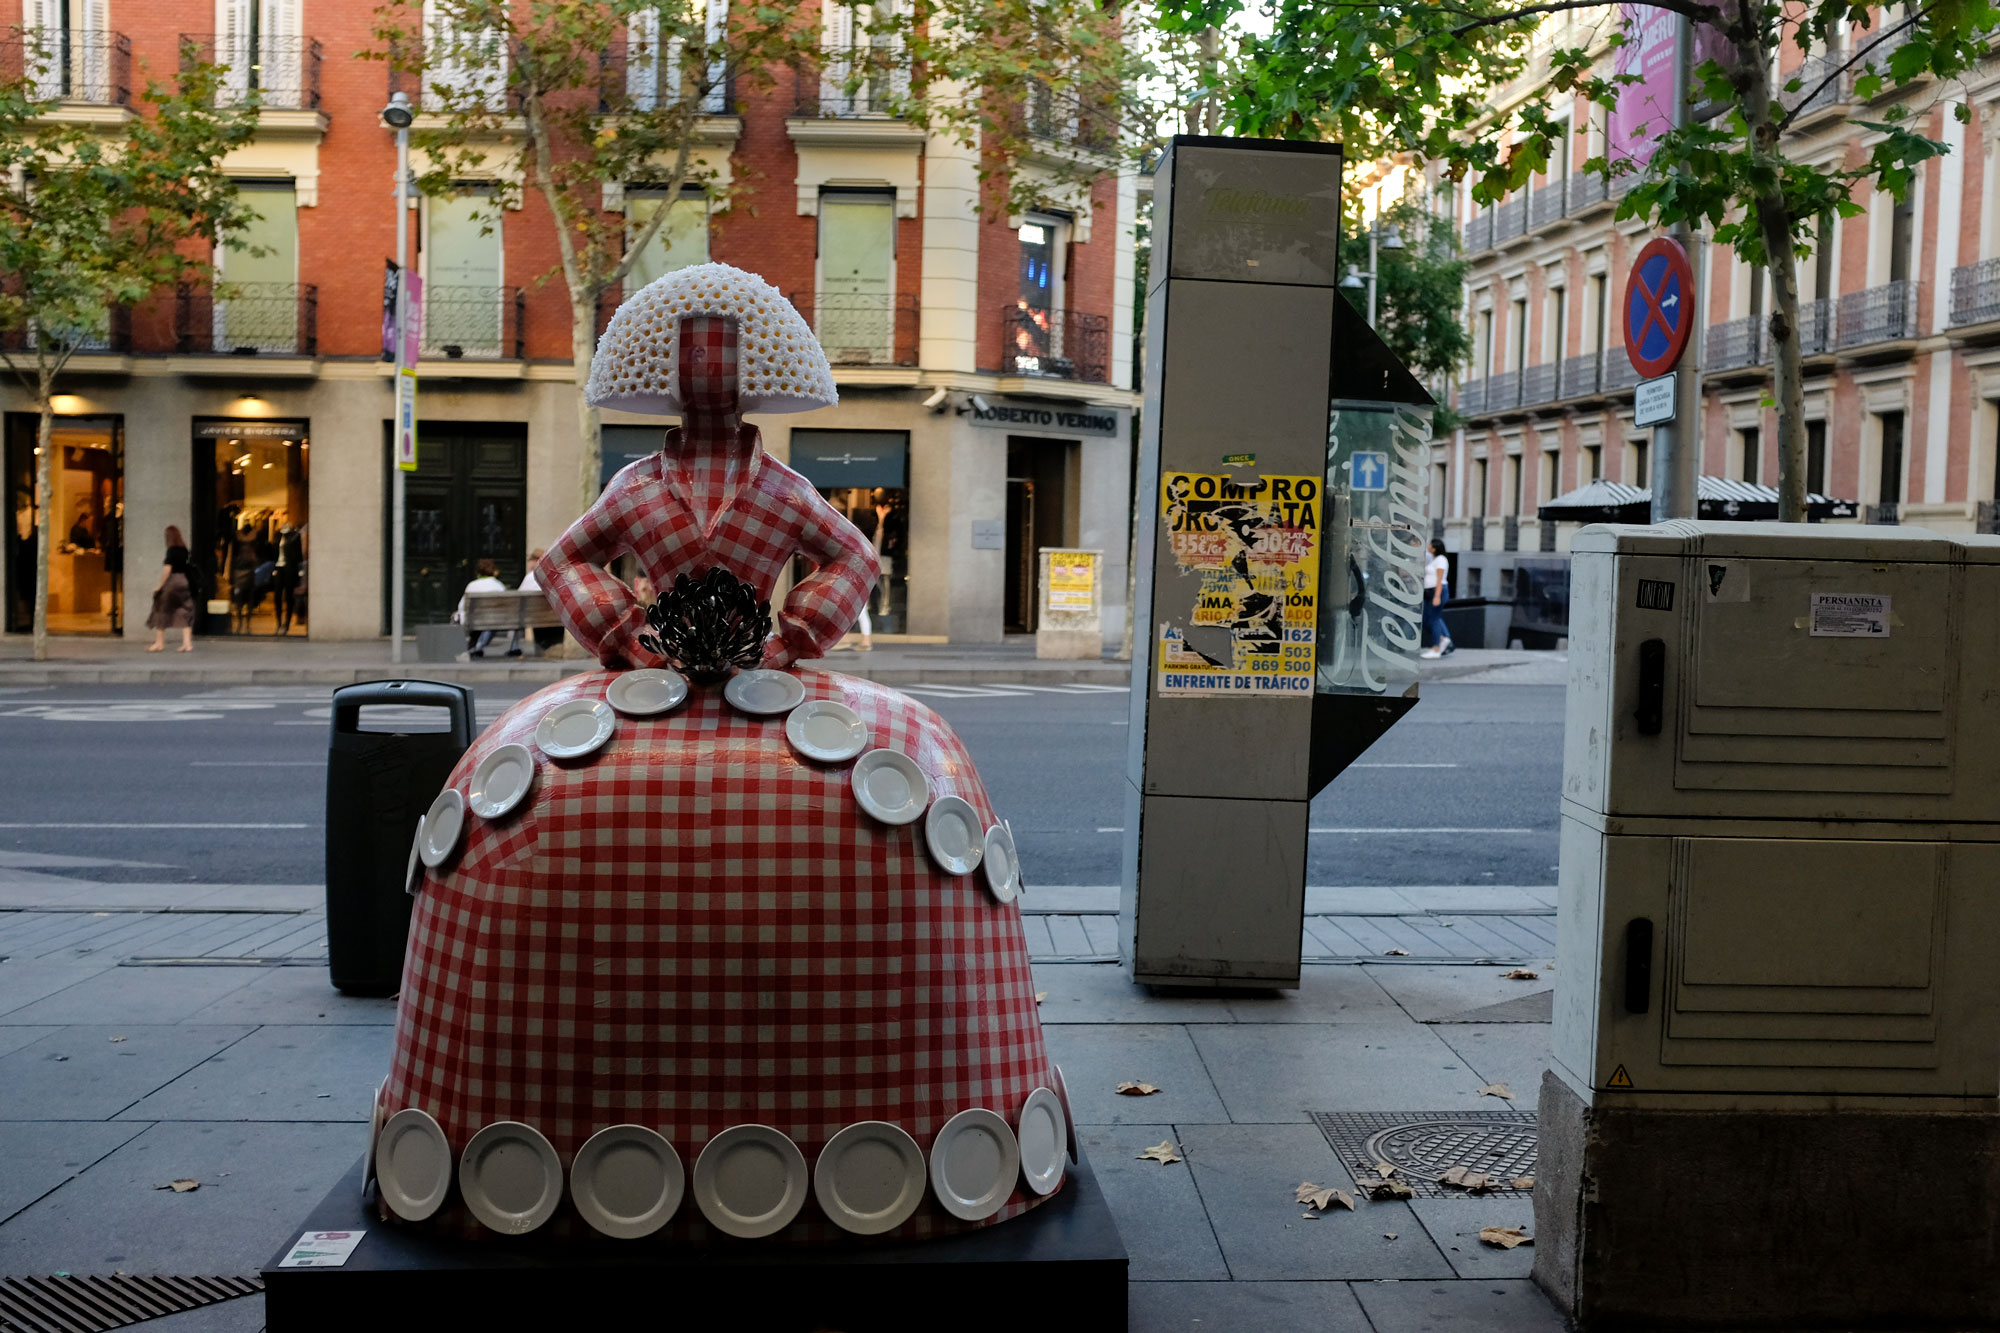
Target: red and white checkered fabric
<point>710,497</point>
<point>694,928</point>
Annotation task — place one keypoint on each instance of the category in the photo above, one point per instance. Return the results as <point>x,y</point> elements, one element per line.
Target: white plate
<point>824,730</point>
<point>627,1181</point>
<point>1003,874</point>
<point>1069,1119</point>
<point>412,1164</point>
<point>750,1181</point>
<point>501,780</point>
<point>890,786</point>
<point>444,825</point>
<point>951,831</point>
<point>647,691</point>
<point>973,1163</point>
<point>374,1137</point>
<point>1042,1132</point>
<point>870,1177</point>
<point>411,875</point>
<point>763,691</point>
<point>572,730</point>
<point>510,1177</point>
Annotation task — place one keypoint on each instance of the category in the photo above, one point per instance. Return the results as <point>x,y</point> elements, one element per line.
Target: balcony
<point>248,319</point>
<point>1055,344</point>
<point>1581,375</point>
<point>1735,344</point>
<point>1538,384</point>
<point>1878,315</point>
<point>1511,221</point>
<point>1503,391</point>
<point>114,339</point>
<point>1975,293</point>
<point>1883,515</point>
<point>1479,232</point>
<point>1820,88</point>
<point>465,75</point>
<point>1471,398</point>
<point>633,77</point>
<point>879,85</point>
<point>1547,204</point>
<point>474,323</point>
<point>282,73</point>
<point>1816,327</point>
<point>857,329</point>
<point>1587,190</point>
<point>86,67</point>
<point>1618,373</point>
<point>1510,533</point>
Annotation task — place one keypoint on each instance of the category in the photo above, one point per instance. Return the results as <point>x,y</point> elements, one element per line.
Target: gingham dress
<point>693,927</point>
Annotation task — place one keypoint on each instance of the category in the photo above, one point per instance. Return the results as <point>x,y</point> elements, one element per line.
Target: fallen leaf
<point>1310,1217</point>
<point>1129,1089</point>
<point>180,1186</point>
<point>1505,1238</point>
<point>62,1057</point>
<point>117,1039</point>
<point>1161,1152</point>
<point>1384,1170</point>
<point>1323,1197</point>
<point>1521,974</point>
<point>1464,1178</point>
<point>1395,953</point>
<point>1523,1182</point>
<point>1380,1190</point>
<point>1496,1090</point>
<point>1388,1235</point>
<point>1041,995</point>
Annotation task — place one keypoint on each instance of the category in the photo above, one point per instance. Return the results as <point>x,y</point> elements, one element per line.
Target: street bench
<point>510,611</point>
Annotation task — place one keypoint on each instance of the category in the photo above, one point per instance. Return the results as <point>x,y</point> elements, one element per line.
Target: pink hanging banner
<point>1645,109</point>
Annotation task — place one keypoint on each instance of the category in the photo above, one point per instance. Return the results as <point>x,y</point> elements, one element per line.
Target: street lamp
<point>398,116</point>
<point>1379,238</point>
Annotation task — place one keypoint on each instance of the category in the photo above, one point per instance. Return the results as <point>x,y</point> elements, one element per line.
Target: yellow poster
<point>1253,545</point>
<point>1072,580</point>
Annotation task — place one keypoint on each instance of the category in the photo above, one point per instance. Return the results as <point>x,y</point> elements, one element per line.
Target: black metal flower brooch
<point>708,626</point>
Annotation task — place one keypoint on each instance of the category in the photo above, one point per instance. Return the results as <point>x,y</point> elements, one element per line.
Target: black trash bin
<point>378,785</point>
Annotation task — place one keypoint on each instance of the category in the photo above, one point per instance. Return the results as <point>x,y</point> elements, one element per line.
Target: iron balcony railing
<point>1059,344</point>
<point>1816,327</point>
<point>1472,398</point>
<point>1503,391</point>
<point>1735,344</point>
<point>1878,314</point>
<point>1975,292</point>
<point>87,66</point>
<point>1619,373</point>
<point>1877,46</point>
<point>115,337</point>
<point>1587,189</point>
<point>475,323</point>
<point>465,73</point>
<point>1538,384</point>
<point>248,319</point>
<point>1580,375</point>
<point>1819,85</point>
<point>878,78</point>
<point>1547,203</point>
<point>637,77</point>
<point>1479,231</point>
<point>860,328</point>
<point>1548,530</point>
<point>282,73</point>
<point>1512,219</point>
<point>1883,514</point>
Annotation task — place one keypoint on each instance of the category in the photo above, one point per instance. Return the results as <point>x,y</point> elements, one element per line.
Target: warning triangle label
<point>1619,1078</point>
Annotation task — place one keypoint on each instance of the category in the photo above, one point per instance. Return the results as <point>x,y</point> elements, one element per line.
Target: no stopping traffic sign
<point>1659,307</point>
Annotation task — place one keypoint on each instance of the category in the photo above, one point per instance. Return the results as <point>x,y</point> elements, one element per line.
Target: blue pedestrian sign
<point>1369,472</point>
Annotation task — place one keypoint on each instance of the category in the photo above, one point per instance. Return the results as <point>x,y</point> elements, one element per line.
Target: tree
<point>1418,291</point>
<point>93,221</point>
<point>1405,76</point>
<point>575,99</point>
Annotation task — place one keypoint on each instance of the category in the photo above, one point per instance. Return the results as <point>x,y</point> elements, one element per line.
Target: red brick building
<point>258,424</point>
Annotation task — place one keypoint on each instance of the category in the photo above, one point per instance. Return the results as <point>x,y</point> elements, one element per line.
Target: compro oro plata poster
<point>1248,551</point>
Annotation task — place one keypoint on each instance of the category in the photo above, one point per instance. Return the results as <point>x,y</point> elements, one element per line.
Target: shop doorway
<point>252,523</point>
<point>87,557</point>
<point>466,502</point>
<point>1041,511</point>
<point>865,475</point>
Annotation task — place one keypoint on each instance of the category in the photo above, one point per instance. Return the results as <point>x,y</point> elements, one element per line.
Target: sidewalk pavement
<point>149,1033</point>
<point>102,660</point>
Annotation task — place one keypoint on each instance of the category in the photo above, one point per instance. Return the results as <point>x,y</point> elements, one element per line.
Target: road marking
<point>176,824</point>
<point>256,763</point>
<point>1403,765</point>
<point>1399,830</point>
<point>158,711</point>
<point>944,691</point>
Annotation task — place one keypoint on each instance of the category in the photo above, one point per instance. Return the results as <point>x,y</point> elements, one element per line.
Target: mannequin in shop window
<point>288,567</point>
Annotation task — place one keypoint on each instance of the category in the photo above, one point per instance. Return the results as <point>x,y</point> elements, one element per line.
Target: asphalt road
<point>228,785</point>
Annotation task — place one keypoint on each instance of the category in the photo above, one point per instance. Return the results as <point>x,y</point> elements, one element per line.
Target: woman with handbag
<point>173,597</point>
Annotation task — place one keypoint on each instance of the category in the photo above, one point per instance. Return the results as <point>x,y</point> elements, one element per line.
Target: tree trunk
<point>44,506</point>
<point>1775,227</point>
<point>589,422</point>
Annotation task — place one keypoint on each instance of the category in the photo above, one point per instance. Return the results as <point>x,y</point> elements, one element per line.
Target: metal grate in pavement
<point>1423,1145</point>
<point>68,1304</point>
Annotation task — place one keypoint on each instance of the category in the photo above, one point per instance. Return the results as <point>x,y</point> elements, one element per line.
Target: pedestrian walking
<point>488,581</point>
<point>1437,591</point>
<point>173,597</point>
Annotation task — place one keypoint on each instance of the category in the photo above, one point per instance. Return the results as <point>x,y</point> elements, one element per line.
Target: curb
<point>459,673</point>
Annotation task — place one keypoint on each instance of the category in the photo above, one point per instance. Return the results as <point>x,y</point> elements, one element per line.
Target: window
<point>464,303</point>
<point>1551,478</point>
<point>1889,477</point>
<point>1822,270</point>
<point>66,49</point>
<point>1517,336</point>
<point>1599,312</point>
<point>1482,342</point>
<point>1902,226</point>
<point>875,62</point>
<point>1637,471</point>
<point>681,241</point>
<point>1816,457</point>
<point>1472,581</point>
<point>1593,457</point>
<point>1513,475</point>
<point>463,67</point>
<point>1507,584</point>
<point>1440,497</point>
<point>1481,504</point>
<point>1748,462</point>
<point>854,313</point>
<point>1038,345</point>
<point>262,313</point>
<point>1554,330</point>
<point>258,44</point>
<point>653,75</point>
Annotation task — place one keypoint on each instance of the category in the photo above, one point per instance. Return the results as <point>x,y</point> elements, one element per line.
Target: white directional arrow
<point>1671,300</point>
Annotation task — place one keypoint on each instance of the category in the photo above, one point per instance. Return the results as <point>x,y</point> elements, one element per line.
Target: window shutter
<point>232,44</point>
<point>837,54</point>
<point>280,54</point>
<point>642,59</point>
<point>42,51</point>
<point>895,56</point>
<point>717,99</point>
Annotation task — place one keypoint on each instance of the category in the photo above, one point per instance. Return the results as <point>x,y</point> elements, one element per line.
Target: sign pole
<point>403,387</point>
<point>1677,443</point>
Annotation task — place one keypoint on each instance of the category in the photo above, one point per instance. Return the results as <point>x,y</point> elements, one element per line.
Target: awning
<point>1717,498</point>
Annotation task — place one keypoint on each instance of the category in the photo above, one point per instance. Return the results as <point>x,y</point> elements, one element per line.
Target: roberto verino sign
<point>1006,414</point>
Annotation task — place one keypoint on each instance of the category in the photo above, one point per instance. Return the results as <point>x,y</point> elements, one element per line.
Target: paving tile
<point>1514,1306</point>
<point>79,1073</point>
<point>245,1314</point>
<point>1326,994</point>
<point>13,1038</point>
<point>137,995</point>
<point>1280,1072</point>
<point>258,1183</point>
<point>1248,1175</point>
<point>1481,897</point>
<point>292,1072</point>
<point>1101,993</point>
<point>1454,1226</point>
<point>1325,900</point>
<point>1510,1053</point>
<point>296,995</point>
<point>23,982</point>
<point>1429,994</point>
<point>41,1155</point>
<point>1158,1209</point>
<point>1220,1307</point>
<point>1096,1058</point>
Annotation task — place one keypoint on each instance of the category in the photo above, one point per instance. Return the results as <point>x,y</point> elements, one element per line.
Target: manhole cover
<point>1423,1145</point>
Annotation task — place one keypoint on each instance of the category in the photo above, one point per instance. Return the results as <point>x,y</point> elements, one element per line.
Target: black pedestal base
<point>1062,1264</point>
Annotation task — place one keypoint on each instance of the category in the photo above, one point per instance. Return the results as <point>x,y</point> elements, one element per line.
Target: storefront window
<point>251,525</point>
<point>87,557</point>
<point>865,475</point>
